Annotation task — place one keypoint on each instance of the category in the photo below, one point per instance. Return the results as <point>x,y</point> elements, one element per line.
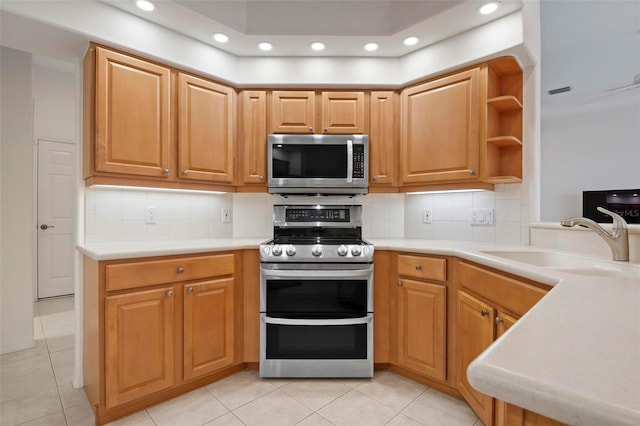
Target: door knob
<point>44,226</point>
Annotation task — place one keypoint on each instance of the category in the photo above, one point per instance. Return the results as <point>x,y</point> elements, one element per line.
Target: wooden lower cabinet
<point>475,334</point>
<point>208,327</point>
<point>147,343</point>
<point>420,312</point>
<point>422,327</point>
<point>139,344</point>
<point>489,303</point>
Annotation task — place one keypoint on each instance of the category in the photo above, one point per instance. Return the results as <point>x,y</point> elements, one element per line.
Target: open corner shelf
<point>505,103</point>
<point>505,141</point>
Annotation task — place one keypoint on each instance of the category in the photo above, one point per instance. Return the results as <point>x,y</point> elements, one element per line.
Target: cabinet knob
<point>472,172</point>
<point>185,172</point>
<point>326,130</point>
<point>499,320</point>
<point>311,129</point>
<point>165,171</point>
<point>190,290</point>
<point>484,312</point>
<point>418,267</point>
<point>169,293</point>
<point>180,270</point>
<point>261,177</point>
<point>399,283</point>
<point>375,178</point>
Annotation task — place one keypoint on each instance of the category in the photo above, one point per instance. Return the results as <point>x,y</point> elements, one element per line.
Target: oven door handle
<point>316,274</point>
<point>340,321</point>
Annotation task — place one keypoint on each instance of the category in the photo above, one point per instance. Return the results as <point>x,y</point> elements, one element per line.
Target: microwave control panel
<point>358,161</point>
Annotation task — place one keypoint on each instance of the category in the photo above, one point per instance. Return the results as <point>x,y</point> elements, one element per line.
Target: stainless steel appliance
<point>318,164</point>
<point>316,294</point>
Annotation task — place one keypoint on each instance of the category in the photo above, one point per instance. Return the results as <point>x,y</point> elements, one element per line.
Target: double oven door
<point>316,320</point>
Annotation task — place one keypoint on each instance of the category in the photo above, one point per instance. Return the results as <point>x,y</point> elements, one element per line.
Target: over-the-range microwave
<point>318,164</point>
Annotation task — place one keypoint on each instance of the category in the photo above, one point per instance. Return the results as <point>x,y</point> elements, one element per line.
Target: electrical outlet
<point>482,216</point>
<point>149,215</point>
<point>426,215</point>
<point>226,215</point>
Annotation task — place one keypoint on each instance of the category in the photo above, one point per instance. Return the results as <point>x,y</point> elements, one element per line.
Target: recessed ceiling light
<point>265,46</point>
<point>410,41</point>
<point>317,45</point>
<point>221,38</point>
<point>370,47</point>
<point>145,5</point>
<point>489,8</point>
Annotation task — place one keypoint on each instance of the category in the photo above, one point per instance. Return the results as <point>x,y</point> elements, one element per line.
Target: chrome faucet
<point>618,239</point>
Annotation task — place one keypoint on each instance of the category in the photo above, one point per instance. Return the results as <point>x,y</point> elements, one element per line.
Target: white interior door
<point>56,207</point>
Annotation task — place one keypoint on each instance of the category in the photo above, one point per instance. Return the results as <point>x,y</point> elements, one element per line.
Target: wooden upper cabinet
<point>343,112</point>
<point>139,346</point>
<point>382,138</point>
<point>206,132</point>
<point>475,334</point>
<point>253,137</point>
<point>441,130</point>
<point>208,327</point>
<point>132,124</point>
<point>293,111</point>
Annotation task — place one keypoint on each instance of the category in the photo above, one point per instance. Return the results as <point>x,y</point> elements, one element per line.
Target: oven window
<point>317,299</point>
<point>316,341</point>
<point>310,161</point>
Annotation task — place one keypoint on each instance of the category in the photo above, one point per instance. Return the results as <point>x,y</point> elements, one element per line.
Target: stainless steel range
<point>316,294</point>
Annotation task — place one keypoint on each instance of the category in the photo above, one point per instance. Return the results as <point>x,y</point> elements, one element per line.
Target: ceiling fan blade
<point>623,88</point>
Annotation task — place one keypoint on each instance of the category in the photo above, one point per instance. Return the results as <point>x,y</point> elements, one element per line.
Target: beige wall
<point>17,209</point>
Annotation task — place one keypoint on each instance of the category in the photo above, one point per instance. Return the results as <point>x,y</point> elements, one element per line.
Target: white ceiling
<point>344,26</point>
<point>591,46</point>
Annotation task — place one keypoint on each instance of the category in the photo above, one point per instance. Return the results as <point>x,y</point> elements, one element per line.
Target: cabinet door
<point>502,411</point>
<point>343,112</point>
<point>440,130</point>
<point>421,327</point>
<point>253,132</point>
<point>208,327</point>
<point>206,130</point>
<point>382,138</point>
<point>293,112</point>
<point>475,334</point>
<point>132,115</point>
<point>139,346</point>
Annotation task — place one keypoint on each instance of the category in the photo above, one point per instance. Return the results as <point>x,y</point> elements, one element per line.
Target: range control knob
<point>342,250</point>
<point>356,250</point>
<point>277,250</point>
<point>291,251</point>
<point>316,250</point>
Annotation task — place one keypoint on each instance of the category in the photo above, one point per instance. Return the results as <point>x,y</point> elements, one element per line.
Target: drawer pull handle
<point>190,290</point>
<point>180,270</point>
<point>399,283</point>
<point>169,293</point>
<point>499,320</point>
<point>484,312</point>
<point>418,267</point>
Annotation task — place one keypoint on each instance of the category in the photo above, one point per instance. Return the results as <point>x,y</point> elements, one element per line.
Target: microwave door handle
<point>349,160</point>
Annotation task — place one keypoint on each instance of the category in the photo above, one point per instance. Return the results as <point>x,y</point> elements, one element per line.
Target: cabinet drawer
<point>139,274</point>
<point>507,292</point>
<point>428,268</point>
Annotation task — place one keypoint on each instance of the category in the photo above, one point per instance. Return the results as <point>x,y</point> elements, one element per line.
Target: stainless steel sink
<point>570,264</point>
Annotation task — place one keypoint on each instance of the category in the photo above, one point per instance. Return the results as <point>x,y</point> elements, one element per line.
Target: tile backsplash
<point>114,215</point>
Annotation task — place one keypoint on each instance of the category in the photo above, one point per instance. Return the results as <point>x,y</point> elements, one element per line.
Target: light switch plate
<point>226,215</point>
<point>482,216</point>
<point>427,215</point>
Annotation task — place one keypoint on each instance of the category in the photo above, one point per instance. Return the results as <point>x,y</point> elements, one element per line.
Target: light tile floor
<point>35,389</point>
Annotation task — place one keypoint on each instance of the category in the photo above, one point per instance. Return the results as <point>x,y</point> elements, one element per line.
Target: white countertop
<point>574,357</point>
